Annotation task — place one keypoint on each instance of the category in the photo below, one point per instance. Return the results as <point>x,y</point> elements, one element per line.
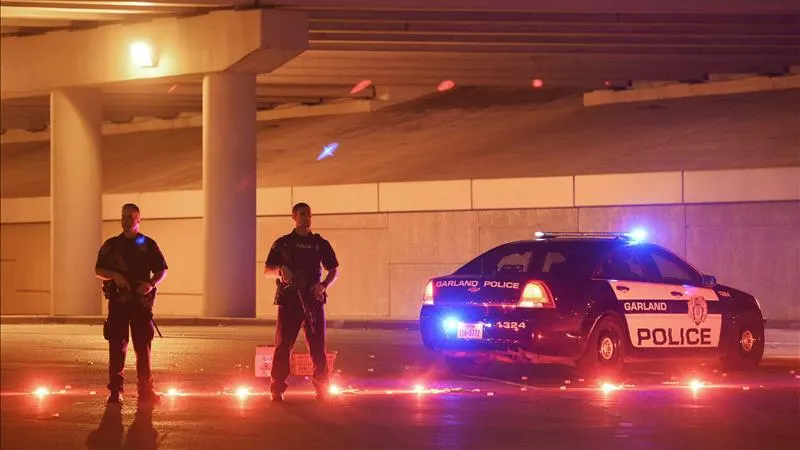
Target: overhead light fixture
<point>363,84</point>
<point>446,85</point>
<point>143,54</point>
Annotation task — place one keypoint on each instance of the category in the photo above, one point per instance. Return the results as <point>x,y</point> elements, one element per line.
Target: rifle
<point>301,285</point>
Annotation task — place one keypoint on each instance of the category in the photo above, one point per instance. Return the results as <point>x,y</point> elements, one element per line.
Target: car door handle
<point>623,288</point>
<point>676,294</point>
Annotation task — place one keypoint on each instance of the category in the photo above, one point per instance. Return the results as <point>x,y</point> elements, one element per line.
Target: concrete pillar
<point>76,120</point>
<point>229,191</point>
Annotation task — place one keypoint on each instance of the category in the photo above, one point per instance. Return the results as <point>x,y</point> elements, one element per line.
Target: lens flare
<point>242,392</point>
<point>638,234</point>
<point>41,392</point>
<point>696,385</point>
<point>450,324</point>
<point>608,387</point>
<point>328,151</point>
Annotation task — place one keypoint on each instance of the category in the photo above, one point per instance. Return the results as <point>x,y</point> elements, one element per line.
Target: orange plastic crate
<point>302,366</point>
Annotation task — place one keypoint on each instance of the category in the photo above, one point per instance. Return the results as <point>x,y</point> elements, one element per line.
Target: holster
<point>110,290</point>
<point>112,293</point>
<point>282,292</point>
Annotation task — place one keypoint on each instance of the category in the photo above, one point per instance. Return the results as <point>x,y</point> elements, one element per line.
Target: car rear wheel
<point>605,351</point>
<point>748,348</point>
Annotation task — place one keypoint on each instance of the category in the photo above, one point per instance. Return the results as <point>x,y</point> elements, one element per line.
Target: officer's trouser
<point>138,318</point>
<point>290,318</point>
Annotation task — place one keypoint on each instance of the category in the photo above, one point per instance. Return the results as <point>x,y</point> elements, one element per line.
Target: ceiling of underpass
<point>405,43</point>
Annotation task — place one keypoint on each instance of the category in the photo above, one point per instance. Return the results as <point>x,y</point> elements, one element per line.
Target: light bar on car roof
<point>635,235</point>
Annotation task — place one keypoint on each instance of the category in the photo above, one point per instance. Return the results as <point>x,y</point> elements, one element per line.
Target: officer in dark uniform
<point>131,266</point>
<point>296,260</point>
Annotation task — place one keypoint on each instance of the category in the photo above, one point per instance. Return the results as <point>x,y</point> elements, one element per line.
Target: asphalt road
<point>512,407</point>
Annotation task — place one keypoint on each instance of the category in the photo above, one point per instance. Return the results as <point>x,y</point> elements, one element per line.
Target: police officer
<point>295,259</point>
<point>131,266</point>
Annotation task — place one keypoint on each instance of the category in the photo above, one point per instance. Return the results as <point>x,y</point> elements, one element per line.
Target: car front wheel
<point>748,348</point>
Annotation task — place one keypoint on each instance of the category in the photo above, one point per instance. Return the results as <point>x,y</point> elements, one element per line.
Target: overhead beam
<point>195,88</point>
<point>630,6</point>
<point>32,23</point>
<point>40,13</point>
<point>196,120</point>
<point>250,41</point>
<point>133,4</point>
<point>349,67</point>
<point>561,6</point>
<point>588,31</point>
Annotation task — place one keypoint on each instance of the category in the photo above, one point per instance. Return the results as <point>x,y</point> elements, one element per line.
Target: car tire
<point>747,348</point>
<point>605,350</point>
<point>464,366</point>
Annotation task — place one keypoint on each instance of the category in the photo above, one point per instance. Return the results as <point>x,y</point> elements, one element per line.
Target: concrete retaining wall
<point>391,237</point>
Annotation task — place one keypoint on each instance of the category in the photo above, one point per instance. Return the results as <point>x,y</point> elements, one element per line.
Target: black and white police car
<point>591,300</point>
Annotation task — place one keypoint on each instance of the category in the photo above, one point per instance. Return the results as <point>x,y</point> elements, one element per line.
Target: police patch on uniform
<point>698,310</point>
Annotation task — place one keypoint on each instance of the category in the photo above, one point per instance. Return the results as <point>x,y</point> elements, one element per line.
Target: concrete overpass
<point>227,59</point>
<point>390,42</point>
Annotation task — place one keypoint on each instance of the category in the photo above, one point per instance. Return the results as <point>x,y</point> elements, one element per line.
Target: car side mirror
<point>709,281</point>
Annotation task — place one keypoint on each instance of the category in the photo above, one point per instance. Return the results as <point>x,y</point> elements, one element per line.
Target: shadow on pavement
<point>110,433</point>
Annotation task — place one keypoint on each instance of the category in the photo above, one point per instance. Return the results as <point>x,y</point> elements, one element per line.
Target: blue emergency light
<point>638,235</point>
<point>450,324</point>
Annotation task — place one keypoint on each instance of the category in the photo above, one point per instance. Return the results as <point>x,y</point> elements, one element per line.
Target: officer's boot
<point>114,398</point>
<point>149,396</point>
<point>323,388</point>
<point>276,390</point>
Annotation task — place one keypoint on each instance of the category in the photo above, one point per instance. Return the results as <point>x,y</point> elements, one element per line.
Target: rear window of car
<point>538,258</point>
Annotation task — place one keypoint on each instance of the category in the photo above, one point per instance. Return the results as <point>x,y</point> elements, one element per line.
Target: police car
<point>592,300</point>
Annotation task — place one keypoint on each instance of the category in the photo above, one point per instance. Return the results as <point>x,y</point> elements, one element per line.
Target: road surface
<point>395,395</point>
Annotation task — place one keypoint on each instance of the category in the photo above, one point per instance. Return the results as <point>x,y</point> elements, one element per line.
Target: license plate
<point>470,331</point>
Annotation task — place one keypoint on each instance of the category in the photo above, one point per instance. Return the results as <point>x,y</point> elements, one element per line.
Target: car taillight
<point>536,295</point>
<point>427,297</point>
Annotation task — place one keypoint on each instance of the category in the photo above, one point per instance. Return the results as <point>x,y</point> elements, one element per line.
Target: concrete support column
<point>229,191</point>
<point>76,134</point>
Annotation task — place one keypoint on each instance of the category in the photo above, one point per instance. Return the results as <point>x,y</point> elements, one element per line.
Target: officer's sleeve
<point>329,260</point>
<point>104,257</point>
<point>157,260</point>
<point>275,257</point>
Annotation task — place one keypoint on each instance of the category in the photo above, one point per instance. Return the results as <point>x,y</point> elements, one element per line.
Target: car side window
<point>553,261</point>
<point>517,261</point>
<point>505,259</point>
<point>624,264</point>
<point>673,271</point>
